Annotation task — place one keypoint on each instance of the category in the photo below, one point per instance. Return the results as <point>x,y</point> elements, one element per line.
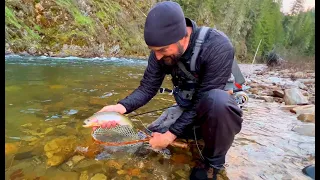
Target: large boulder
<point>294,96</point>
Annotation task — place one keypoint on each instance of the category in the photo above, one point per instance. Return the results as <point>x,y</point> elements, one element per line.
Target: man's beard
<point>173,59</point>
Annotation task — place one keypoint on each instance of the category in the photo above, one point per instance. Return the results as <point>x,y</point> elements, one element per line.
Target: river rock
<point>87,164</point>
<point>99,176</point>
<point>115,164</point>
<point>61,175</point>
<point>59,149</point>
<point>298,74</point>
<point>306,81</point>
<point>303,109</point>
<point>307,117</point>
<point>84,175</point>
<point>254,90</point>
<point>300,85</point>
<point>183,174</point>
<point>278,100</point>
<point>311,74</point>
<point>274,80</point>
<point>294,96</point>
<point>305,93</point>
<point>23,155</point>
<point>305,129</point>
<point>269,92</point>
<point>11,148</point>
<point>278,93</point>
<point>288,107</point>
<point>267,98</point>
<point>312,99</point>
<point>74,160</point>
<point>32,50</point>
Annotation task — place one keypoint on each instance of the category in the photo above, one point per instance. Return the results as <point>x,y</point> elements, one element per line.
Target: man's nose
<point>158,55</point>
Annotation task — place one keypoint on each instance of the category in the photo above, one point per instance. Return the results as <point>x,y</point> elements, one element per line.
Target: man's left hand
<point>160,141</point>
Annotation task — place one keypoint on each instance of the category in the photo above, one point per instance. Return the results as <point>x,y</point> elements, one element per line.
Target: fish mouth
<point>90,125</point>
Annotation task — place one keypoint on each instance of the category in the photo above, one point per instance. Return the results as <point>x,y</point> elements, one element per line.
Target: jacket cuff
<point>175,132</point>
<point>128,109</point>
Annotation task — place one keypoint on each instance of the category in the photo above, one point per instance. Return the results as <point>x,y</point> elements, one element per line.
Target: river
<point>48,98</point>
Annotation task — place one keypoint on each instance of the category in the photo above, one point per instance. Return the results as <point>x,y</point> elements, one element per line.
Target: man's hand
<point>114,108</point>
<point>111,108</point>
<point>230,91</point>
<point>160,141</point>
<point>109,124</point>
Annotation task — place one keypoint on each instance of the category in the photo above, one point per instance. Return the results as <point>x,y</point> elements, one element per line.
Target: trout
<point>100,118</point>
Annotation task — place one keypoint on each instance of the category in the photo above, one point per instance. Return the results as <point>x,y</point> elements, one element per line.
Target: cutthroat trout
<point>100,118</point>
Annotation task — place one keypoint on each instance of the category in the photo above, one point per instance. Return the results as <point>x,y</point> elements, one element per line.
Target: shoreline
<point>25,54</point>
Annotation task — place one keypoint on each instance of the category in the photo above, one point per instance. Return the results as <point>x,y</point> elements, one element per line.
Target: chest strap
<point>236,72</point>
<point>197,47</point>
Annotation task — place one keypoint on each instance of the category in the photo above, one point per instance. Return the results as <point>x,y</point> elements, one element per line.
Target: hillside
<point>89,28</point>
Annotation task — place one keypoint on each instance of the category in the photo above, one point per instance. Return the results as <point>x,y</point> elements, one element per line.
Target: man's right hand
<point>114,108</point>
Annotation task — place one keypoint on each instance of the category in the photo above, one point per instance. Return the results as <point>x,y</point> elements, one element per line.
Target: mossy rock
<point>60,149</point>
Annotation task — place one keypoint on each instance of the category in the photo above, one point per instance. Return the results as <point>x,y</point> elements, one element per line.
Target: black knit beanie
<point>165,24</point>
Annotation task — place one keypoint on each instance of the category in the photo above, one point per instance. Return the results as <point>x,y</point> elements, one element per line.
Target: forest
<point>102,28</point>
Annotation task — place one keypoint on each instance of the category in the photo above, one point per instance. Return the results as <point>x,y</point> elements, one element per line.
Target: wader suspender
<point>236,72</point>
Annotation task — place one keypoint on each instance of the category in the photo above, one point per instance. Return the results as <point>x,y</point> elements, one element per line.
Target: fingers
<point>115,108</point>
<point>105,108</point>
<point>152,143</point>
<point>113,123</point>
<point>94,120</point>
<point>155,134</point>
<point>109,124</point>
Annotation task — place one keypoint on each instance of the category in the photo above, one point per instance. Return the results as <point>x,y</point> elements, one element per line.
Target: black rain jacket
<point>213,68</point>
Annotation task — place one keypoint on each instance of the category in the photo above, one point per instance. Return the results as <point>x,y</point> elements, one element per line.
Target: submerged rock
<point>99,176</point>
<point>59,149</point>
<point>84,175</point>
<point>11,148</point>
<point>74,160</point>
<point>87,164</point>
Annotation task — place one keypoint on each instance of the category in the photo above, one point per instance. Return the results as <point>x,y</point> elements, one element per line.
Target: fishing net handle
<point>179,144</point>
<point>174,143</point>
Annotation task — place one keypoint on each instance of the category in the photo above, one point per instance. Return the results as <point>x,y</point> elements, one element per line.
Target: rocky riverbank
<point>294,90</point>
